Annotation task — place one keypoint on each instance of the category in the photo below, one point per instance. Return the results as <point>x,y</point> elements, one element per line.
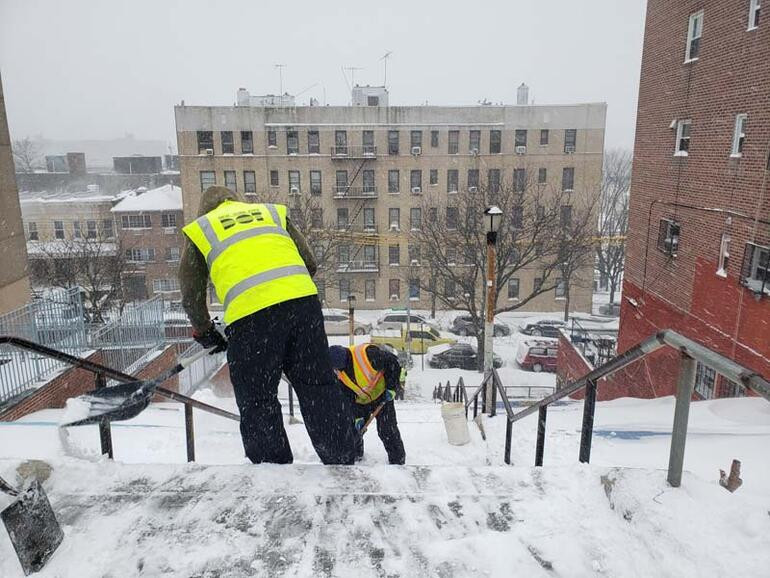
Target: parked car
<point>421,340</point>
<point>462,355</point>
<point>339,324</point>
<point>538,355</point>
<point>463,325</point>
<point>543,328</point>
<point>403,359</point>
<point>400,317</point>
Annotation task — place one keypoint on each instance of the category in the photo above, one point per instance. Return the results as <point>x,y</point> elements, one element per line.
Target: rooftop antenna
<point>352,70</point>
<point>280,68</point>
<point>385,62</point>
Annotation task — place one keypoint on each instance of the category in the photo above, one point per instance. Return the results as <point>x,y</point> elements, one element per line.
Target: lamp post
<point>408,341</point>
<point>492,217</point>
<point>351,312</point>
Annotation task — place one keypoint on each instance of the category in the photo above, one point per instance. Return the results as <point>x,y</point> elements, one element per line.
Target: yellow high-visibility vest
<point>252,260</point>
<point>369,383</point>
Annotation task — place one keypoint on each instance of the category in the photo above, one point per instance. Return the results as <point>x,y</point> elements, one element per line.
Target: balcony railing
<point>354,152</point>
<point>347,192</point>
<point>359,266</point>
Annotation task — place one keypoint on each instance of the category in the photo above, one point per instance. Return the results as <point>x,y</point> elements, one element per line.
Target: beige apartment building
<point>368,168</point>
<point>14,279</point>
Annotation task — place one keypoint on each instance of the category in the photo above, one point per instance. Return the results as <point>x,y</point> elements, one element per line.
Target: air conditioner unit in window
<point>394,297</point>
<point>416,190</point>
<point>521,149</point>
<point>475,152</point>
<point>394,227</point>
<point>569,149</point>
<point>210,152</point>
<point>294,190</point>
<point>473,189</point>
<point>416,150</point>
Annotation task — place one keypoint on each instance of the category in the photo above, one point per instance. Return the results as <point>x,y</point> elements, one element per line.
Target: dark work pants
<point>288,337</point>
<point>387,429</point>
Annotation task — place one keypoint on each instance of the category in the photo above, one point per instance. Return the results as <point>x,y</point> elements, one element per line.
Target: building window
<point>542,175</point>
<point>340,142</point>
<point>453,145</point>
<point>415,218</point>
<point>344,290</point>
<point>474,141</point>
<point>228,147</point>
<point>342,218</point>
<point>450,288</point>
<point>136,221</point>
<point>416,138</point>
<point>668,237</point>
<point>451,255</point>
<point>165,285</point>
<point>705,380</point>
<point>517,217</point>
<point>394,288</point>
<point>341,180</point>
<point>32,231</point>
<point>172,254</point>
<point>370,256</point>
<point>537,284</point>
<point>694,31</point>
<point>561,289</point>
<point>434,139</point>
<point>368,181</point>
<point>414,289</point>
<point>108,229</point>
<point>451,218</point>
<point>313,142</point>
<point>520,137</point>
<point>570,140</point>
<point>369,224</point>
<point>473,179</point>
<point>724,255</point>
<point>513,288</point>
<point>539,213</point>
<point>292,142</point>
<point>519,180</point>
<point>739,134</point>
<point>452,180</point>
<point>249,182</point>
<point>495,142</point>
<point>493,180</point>
<point>247,142</point>
<point>544,137</point>
<point>230,181</point>
<point>140,255</point>
<point>682,138</point>
<point>369,290</point>
<point>315,182</point>
<point>754,14</point>
<point>208,179</point>
<point>76,230</point>
<point>168,220</point>
<point>568,179</point>
<point>565,215</point>
<point>316,218</point>
<point>273,178</point>
<point>205,141</point>
<point>432,214</point>
<point>394,255</point>
<point>392,142</point>
<point>367,139</point>
<point>294,183</point>
<point>433,176</point>
<point>414,254</point>
<point>58,230</point>
<point>756,268</point>
<point>415,180</point>
<point>343,255</point>
<point>394,218</point>
<point>393,180</point>
<point>272,139</point>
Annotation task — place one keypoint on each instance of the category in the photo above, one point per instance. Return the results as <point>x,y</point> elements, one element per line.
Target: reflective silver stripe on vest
<point>261,278</point>
<point>274,214</point>
<point>218,247</point>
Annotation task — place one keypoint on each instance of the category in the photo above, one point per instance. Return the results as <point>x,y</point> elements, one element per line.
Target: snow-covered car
<point>339,324</point>
<point>463,325</point>
<point>543,328</point>
<point>461,355</point>
<point>401,317</point>
<point>538,355</point>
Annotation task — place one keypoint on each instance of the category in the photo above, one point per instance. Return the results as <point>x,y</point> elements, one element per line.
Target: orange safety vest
<point>369,384</point>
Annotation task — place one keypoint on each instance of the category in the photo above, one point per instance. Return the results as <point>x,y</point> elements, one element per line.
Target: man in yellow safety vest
<point>370,376</point>
<point>261,268</point>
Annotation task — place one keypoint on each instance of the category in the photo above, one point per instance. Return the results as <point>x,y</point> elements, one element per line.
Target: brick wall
<point>571,365</point>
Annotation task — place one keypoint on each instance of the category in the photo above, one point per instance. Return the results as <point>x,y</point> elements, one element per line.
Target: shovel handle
<point>188,361</point>
<point>8,488</point>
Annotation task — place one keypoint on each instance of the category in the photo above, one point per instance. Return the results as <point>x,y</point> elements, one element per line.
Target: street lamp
<point>408,342</point>
<point>492,218</point>
<point>351,312</point>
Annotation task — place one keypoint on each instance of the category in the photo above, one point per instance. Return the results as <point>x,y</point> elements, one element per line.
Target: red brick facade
<point>709,192</point>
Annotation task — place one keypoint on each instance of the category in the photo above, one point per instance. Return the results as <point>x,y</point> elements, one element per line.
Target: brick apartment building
<point>369,165</point>
<point>699,235</point>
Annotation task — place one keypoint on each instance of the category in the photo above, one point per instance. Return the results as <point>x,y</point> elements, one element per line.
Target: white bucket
<point>455,423</point>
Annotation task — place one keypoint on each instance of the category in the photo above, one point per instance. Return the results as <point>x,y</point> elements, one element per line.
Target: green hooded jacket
<point>194,274</point>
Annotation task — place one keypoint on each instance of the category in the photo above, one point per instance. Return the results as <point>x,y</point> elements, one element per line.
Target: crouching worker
<point>261,268</point>
<point>371,378</point>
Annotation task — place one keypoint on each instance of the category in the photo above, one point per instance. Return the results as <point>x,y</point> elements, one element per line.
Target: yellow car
<point>421,339</point>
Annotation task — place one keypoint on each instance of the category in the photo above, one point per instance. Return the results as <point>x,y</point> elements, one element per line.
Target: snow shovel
<point>127,400</point>
<point>370,419</point>
<point>32,526</point>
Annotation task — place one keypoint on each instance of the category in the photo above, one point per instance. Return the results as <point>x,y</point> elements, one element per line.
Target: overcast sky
<point>81,69</point>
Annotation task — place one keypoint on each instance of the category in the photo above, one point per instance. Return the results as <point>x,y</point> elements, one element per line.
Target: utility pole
<point>492,217</point>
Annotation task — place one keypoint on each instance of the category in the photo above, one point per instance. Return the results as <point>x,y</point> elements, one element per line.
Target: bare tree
<point>26,155</point>
<point>613,217</point>
<point>451,243</point>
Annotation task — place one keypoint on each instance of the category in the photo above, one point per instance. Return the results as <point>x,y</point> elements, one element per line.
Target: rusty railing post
<point>540,447</point>
<point>587,431</point>
<point>105,433</point>
<point>508,434</point>
<point>684,388</point>
<point>189,430</point>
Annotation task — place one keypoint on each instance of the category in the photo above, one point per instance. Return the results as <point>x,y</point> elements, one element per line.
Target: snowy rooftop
<point>92,196</point>
<point>165,198</point>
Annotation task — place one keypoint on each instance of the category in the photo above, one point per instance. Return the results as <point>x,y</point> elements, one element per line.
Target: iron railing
<point>349,192</point>
<point>197,373</point>
<point>354,152</point>
<point>691,353</point>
